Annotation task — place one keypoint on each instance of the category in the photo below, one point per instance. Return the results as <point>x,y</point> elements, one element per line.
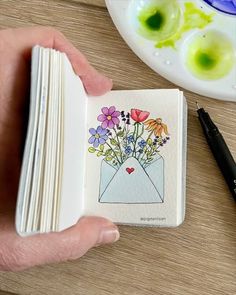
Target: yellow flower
<point>156,126</point>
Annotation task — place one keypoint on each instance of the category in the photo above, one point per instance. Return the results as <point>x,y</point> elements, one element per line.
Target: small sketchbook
<point>121,155</point>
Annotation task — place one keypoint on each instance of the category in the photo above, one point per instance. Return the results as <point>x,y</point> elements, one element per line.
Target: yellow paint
<point>194,18</point>
<point>210,56</point>
<point>160,20</point>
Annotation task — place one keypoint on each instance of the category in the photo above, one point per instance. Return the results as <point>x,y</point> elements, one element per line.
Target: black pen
<point>219,149</point>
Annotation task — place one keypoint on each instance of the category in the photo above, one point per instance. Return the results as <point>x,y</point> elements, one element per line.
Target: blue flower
<point>130,139</point>
<point>142,143</point>
<point>99,136</point>
<point>128,150</point>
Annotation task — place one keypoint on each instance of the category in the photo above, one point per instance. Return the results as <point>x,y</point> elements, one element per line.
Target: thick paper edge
<point>25,161</point>
<point>182,195</point>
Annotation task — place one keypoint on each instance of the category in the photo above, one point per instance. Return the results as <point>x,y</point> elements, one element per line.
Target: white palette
<point>172,63</point>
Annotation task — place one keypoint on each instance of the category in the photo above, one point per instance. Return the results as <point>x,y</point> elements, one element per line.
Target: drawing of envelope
<point>132,183</point>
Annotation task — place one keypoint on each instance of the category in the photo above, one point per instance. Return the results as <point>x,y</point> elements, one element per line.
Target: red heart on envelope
<point>130,170</point>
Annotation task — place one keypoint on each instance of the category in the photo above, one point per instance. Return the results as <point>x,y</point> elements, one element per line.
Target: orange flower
<point>156,126</point>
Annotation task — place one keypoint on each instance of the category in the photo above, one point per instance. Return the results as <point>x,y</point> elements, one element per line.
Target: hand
<point>18,253</point>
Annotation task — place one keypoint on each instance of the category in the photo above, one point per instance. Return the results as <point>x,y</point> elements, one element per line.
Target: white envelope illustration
<point>132,183</point>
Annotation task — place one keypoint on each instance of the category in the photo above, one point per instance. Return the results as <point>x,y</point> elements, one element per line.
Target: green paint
<point>193,18</point>
<point>205,60</point>
<point>164,23</point>
<point>155,21</point>
<point>210,56</point>
<point>159,20</point>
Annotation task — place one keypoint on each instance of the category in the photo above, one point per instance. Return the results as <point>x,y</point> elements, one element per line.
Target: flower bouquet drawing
<point>132,169</point>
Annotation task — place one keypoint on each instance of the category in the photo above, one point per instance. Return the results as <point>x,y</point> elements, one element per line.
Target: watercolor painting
<point>129,144</point>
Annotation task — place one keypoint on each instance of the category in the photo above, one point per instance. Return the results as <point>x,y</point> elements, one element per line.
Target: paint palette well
<point>189,43</point>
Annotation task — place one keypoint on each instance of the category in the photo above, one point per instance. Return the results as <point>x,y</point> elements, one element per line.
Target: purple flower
<point>99,136</point>
<point>109,117</point>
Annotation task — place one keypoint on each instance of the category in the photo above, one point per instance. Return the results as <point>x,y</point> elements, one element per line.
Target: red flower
<point>138,115</point>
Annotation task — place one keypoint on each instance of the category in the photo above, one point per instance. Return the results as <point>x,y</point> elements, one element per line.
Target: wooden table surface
<point>199,257</point>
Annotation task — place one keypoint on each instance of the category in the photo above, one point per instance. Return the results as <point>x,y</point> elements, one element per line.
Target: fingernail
<point>108,235</point>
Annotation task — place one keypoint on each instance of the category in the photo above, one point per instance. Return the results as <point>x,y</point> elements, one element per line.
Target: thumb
<point>69,244</point>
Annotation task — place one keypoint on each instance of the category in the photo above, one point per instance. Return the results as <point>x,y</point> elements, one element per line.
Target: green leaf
<point>120,133</point>
<point>101,147</point>
<point>149,141</point>
<point>99,154</point>
<point>108,152</point>
<point>91,150</point>
<point>113,141</point>
<point>108,158</point>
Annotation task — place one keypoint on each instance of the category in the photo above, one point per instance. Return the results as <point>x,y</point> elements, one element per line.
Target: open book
<point>121,155</point>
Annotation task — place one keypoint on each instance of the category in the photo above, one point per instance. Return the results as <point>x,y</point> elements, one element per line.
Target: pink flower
<point>109,117</point>
<point>138,115</point>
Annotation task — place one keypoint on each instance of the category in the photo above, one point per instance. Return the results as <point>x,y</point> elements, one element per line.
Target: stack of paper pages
<point>121,155</point>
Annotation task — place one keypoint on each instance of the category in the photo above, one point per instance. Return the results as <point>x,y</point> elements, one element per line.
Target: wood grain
<point>99,3</point>
<point>199,257</point>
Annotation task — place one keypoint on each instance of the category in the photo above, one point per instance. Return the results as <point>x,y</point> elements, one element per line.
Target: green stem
<point>114,153</point>
<point>136,138</point>
<point>147,144</point>
<point>140,135</point>
<point>125,137</point>
<point>149,136</point>
<point>103,154</point>
<point>145,162</point>
<point>118,141</point>
<point>150,149</point>
<point>141,154</point>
